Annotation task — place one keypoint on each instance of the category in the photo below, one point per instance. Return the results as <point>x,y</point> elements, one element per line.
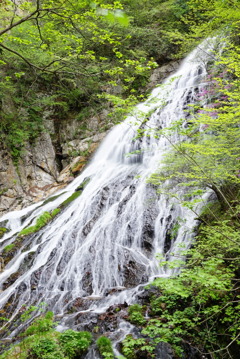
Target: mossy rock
<point>8,248</point>
<point>51,199</point>
<point>83,185</point>
<point>44,219</point>
<point>70,199</point>
<point>3,230</point>
<point>76,194</point>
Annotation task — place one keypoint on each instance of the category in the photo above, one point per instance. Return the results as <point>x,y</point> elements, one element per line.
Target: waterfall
<point>101,247</point>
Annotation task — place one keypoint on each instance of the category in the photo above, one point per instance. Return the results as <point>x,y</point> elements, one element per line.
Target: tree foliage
<point>209,154</point>
<point>61,55</point>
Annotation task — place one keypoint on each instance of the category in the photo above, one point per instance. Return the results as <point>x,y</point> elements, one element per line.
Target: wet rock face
<point>81,146</point>
<point>145,295</point>
<point>106,322</point>
<point>164,351</point>
<point>149,218</point>
<point>37,174</point>
<point>161,73</point>
<point>133,273</point>
<point>36,170</point>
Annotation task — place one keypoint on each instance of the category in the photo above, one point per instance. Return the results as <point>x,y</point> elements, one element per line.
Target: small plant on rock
<point>135,314</point>
<point>105,347</point>
<point>45,348</point>
<point>74,343</point>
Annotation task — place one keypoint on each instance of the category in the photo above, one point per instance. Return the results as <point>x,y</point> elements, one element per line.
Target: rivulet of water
<point>100,248</point>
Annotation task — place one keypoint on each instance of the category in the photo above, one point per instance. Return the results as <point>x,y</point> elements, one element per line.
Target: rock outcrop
<point>37,173</point>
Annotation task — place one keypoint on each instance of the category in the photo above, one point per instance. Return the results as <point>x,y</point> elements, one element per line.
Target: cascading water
<point>98,249</point>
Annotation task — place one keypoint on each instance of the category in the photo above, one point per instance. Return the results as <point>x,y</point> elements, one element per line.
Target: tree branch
<point>19,55</point>
<point>28,62</point>
<point>220,350</point>
<point>48,65</point>
<point>39,29</point>
<point>24,19</point>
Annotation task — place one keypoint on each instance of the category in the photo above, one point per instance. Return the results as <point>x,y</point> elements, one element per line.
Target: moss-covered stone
<point>8,248</point>
<point>45,218</point>
<point>70,199</point>
<point>76,194</point>
<point>51,199</point>
<point>11,249</point>
<point>3,230</point>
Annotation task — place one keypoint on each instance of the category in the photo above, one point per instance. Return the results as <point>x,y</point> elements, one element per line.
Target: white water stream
<point>106,241</point>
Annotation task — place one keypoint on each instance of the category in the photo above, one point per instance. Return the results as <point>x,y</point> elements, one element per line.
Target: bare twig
<point>39,29</point>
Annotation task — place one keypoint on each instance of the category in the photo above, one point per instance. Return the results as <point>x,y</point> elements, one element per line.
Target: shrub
<point>135,314</point>
<point>45,348</point>
<point>41,325</point>
<point>105,347</point>
<point>3,230</point>
<point>134,348</point>
<point>74,343</point>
